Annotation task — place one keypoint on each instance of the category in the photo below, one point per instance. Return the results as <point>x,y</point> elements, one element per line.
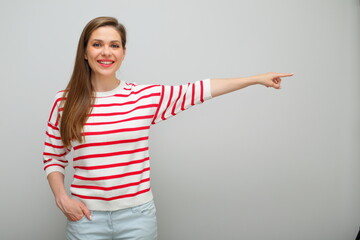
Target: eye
<point>115,46</point>
<point>96,45</point>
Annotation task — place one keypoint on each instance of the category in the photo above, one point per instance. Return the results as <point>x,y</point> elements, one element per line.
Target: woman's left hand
<point>271,79</point>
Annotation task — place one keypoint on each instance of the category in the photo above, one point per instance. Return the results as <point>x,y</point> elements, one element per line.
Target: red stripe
<point>53,127</point>
<point>53,165</point>
<point>116,131</point>
<point>127,89</point>
<point>127,103</point>
<point>110,154</point>
<point>111,188</point>
<point>54,105</point>
<point>52,145</point>
<point>49,160</point>
<point>168,104</point>
<point>193,95</point>
<point>184,99</point>
<point>112,165</point>
<point>53,154</point>
<point>159,106</point>
<point>110,143</point>
<point>134,92</point>
<point>174,107</point>
<point>112,176</point>
<point>57,120</point>
<point>112,198</point>
<point>124,120</point>
<point>122,113</point>
<point>52,136</point>
<point>130,84</point>
<point>201,91</point>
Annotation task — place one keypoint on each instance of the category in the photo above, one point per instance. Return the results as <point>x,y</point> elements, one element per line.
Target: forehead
<point>107,33</point>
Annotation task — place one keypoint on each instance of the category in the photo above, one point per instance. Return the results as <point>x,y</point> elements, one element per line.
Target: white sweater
<point>112,167</point>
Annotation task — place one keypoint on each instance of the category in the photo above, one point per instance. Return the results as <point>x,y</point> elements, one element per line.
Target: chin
<point>106,73</point>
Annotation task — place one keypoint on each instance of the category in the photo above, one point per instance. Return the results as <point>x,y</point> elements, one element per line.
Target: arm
<point>55,164</point>
<point>222,86</point>
<point>73,209</point>
<point>175,99</point>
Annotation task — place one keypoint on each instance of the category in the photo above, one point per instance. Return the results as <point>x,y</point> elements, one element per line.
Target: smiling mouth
<point>106,62</point>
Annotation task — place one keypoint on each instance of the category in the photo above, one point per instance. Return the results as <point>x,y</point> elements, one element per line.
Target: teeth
<point>105,62</point>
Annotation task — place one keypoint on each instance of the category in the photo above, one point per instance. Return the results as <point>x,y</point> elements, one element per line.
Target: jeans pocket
<point>146,209</point>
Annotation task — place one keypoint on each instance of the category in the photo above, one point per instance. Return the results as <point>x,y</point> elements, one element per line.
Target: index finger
<point>285,74</point>
<point>85,210</point>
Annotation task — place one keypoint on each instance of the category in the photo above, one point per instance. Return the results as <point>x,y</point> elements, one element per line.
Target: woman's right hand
<point>73,209</point>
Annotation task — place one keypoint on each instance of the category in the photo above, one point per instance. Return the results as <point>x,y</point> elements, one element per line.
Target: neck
<point>104,83</point>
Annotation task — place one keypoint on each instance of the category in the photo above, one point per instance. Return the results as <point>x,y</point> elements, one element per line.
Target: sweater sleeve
<point>54,151</point>
<point>174,99</point>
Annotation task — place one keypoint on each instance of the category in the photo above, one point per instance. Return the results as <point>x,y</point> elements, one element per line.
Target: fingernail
<point>90,217</point>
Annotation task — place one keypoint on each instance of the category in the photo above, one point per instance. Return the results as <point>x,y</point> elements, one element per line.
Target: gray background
<point>255,164</point>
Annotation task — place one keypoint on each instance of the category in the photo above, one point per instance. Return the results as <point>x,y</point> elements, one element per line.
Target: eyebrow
<point>99,40</point>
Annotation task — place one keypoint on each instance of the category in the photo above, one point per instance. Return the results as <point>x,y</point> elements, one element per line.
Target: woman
<point>106,122</point>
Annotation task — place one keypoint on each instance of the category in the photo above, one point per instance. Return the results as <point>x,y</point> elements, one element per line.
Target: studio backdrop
<point>255,164</point>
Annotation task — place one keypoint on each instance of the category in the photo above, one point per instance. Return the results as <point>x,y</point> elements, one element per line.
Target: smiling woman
<point>106,122</point>
<point>104,54</point>
<point>89,75</point>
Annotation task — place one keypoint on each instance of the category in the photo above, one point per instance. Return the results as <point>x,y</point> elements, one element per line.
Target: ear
<point>124,53</point>
<point>86,58</point>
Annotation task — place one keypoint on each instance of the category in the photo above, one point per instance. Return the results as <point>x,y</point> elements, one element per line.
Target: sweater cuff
<point>54,168</point>
<point>207,89</point>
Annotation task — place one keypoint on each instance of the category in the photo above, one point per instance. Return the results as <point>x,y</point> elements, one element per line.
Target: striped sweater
<point>112,167</point>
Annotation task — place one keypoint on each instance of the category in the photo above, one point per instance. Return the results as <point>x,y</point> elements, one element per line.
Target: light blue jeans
<point>137,223</point>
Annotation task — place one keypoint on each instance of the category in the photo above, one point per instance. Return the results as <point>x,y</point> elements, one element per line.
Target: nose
<point>106,51</point>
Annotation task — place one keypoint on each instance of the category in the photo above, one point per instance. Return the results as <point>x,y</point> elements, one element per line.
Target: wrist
<point>255,80</point>
<point>61,198</point>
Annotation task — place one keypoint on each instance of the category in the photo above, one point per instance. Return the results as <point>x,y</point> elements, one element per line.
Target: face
<point>104,52</point>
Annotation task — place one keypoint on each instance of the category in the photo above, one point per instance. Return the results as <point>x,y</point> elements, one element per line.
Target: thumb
<point>86,211</point>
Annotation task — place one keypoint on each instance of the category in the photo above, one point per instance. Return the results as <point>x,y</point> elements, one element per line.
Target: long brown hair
<point>79,92</point>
